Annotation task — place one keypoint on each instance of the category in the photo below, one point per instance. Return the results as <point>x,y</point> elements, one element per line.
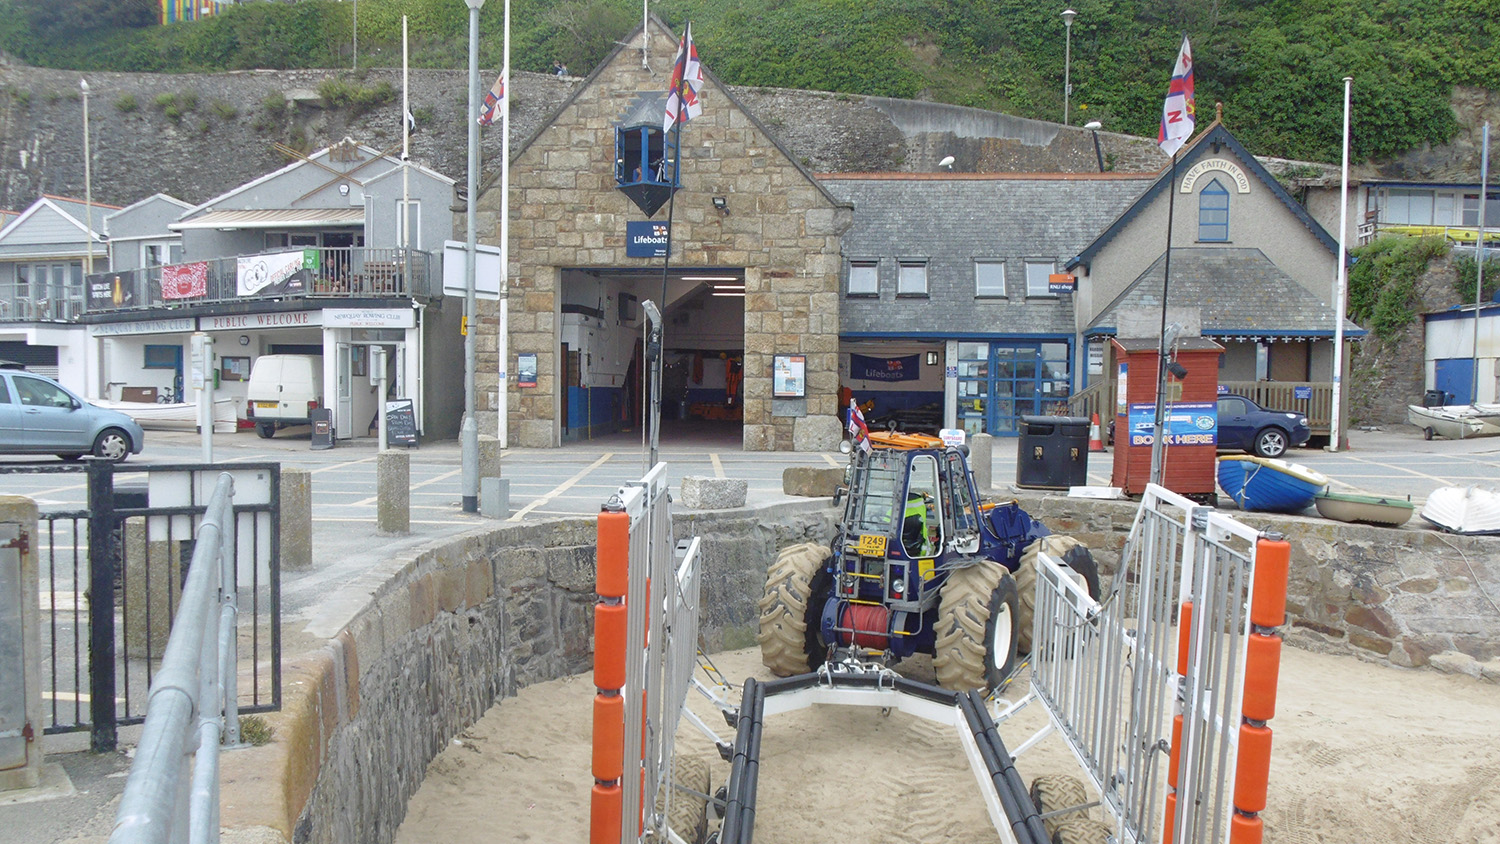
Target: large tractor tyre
<point>689,815</point>
<point>976,628</point>
<point>1081,830</point>
<point>1072,552</point>
<point>796,586</point>
<point>1055,792</point>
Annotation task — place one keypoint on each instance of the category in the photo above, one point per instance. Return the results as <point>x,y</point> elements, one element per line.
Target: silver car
<point>40,416</point>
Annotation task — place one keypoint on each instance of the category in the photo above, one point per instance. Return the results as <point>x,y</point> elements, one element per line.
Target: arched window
<point>1213,213</point>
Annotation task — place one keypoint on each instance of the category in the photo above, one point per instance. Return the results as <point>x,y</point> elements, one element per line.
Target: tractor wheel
<point>976,628</point>
<point>796,586</point>
<point>1081,830</point>
<point>1055,792</point>
<point>1061,547</point>
<point>689,815</point>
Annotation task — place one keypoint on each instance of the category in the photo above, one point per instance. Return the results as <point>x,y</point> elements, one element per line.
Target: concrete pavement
<point>551,483</point>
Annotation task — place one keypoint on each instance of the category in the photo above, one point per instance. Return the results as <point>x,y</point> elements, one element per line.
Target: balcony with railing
<point>329,273</point>
<point>21,302</point>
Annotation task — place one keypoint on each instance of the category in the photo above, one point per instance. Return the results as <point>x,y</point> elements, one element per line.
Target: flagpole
<point>502,340</point>
<point>678,72</point>
<point>1157,450</point>
<point>1341,289</point>
<point>1484,174</point>
<point>405,208</point>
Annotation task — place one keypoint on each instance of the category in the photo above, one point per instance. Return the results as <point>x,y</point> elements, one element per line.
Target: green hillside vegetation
<point>1277,65</point>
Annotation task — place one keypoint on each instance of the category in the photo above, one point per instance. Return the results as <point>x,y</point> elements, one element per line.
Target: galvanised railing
<point>356,272</point>
<point>192,706</point>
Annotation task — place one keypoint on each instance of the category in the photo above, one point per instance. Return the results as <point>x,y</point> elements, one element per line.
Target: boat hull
<point>1369,509</point>
<point>1456,422</point>
<point>1467,510</point>
<point>1266,485</point>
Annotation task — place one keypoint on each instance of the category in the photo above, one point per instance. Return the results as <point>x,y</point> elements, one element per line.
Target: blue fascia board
<point>1109,331</point>
<point>947,335</point>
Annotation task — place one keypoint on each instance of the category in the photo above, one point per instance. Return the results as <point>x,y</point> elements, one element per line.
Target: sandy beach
<point>1363,753</point>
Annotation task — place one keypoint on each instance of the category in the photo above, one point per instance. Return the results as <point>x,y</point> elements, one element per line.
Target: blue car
<point>1247,426</point>
<point>40,416</point>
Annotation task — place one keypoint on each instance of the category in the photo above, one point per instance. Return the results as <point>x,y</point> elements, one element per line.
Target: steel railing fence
<point>660,646</point>
<point>1109,673</point>
<point>192,707</point>
<point>342,272</point>
<point>102,648</point>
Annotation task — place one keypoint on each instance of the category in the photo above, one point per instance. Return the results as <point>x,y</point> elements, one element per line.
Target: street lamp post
<point>88,185</point>
<point>1067,16</point>
<point>469,431</point>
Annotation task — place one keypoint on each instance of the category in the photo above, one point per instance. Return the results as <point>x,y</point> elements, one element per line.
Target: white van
<point>283,390</point>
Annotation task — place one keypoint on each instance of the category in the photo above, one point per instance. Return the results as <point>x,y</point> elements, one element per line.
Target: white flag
<point>1177,112</point>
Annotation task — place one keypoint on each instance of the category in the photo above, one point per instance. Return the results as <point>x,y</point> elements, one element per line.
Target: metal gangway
<point>1162,690</point>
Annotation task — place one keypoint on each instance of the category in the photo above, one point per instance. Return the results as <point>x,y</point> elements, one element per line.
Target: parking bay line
<point>373,499</point>
<point>561,488</point>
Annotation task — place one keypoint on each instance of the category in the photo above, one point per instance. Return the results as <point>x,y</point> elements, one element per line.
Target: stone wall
<point>1407,596</point>
<point>780,227</point>
<point>448,635</point>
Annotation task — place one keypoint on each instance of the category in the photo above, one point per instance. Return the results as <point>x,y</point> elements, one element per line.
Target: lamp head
<point>1093,124</point>
<point>1068,15</point>
<point>83,84</point>
<point>946,162</point>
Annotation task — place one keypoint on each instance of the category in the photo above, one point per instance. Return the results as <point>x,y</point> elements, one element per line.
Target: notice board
<point>400,422</point>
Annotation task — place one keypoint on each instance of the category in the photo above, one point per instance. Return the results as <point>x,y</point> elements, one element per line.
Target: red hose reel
<point>865,626</point>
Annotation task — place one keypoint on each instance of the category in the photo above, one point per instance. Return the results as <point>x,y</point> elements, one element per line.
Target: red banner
<point>184,281</point>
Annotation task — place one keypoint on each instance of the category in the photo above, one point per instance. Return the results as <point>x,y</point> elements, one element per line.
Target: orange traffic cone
<point>1096,442</point>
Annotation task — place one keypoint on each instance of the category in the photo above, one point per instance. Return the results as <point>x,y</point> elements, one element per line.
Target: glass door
<point>998,383</point>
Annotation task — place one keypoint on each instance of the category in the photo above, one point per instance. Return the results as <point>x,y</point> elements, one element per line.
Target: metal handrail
<point>193,699</point>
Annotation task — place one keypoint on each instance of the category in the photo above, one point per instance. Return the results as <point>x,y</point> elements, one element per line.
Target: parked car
<point>40,416</point>
<point>1247,426</point>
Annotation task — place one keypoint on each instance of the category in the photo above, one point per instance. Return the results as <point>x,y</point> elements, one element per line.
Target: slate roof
<point>1214,136</point>
<point>1241,293</point>
<point>951,220</point>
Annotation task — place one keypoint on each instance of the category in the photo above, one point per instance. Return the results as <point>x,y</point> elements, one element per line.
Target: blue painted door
<point>1455,376</point>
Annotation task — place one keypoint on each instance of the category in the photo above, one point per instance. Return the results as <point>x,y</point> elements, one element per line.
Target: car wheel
<point>266,430</point>
<point>112,444</point>
<point>1270,442</point>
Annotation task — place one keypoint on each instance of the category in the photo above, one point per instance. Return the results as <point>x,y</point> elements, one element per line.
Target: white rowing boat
<point>1456,421</point>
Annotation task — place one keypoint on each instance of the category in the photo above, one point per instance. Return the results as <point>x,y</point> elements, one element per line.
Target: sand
<point>1363,753</point>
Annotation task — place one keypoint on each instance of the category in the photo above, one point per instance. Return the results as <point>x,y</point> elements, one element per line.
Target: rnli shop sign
<point>646,239</point>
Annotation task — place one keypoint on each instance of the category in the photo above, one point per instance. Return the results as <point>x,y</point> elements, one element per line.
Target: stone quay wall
<point>424,648</point>
<point>1405,596</point>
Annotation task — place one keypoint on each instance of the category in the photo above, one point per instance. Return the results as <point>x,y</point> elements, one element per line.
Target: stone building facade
<point>778,230</point>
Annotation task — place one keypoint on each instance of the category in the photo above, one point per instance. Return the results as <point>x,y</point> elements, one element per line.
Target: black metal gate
<point>102,646</point>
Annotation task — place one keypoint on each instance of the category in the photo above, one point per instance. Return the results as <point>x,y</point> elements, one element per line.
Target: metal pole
<point>355,65</point>
<point>469,432</point>
<point>1341,288</point>
<point>1157,439</point>
<point>502,337</point>
<point>1484,172</point>
<point>101,596</point>
<point>88,185</point>
<point>1067,16</point>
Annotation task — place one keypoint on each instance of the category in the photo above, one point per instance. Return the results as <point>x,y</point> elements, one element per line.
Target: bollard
<point>494,496</point>
<point>393,492</point>
<point>489,458</point>
<point>296,519</point>
<point>982,460</point>
<point>153,587</point>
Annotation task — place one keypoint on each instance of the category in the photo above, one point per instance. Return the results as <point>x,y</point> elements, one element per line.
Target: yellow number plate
<point>871,545</point>
<point>269,405</point>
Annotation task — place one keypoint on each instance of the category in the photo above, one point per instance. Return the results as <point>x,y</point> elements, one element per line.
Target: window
<point>162,357</point>
<point>1491,210</point>
<point>4,392</point>
<point>35,393</point>
<point>642,156</point>
<point>157,253</point>
<point>415,210</point>
<point>1213,213</point>
<point>1037,281</point>
<point>295,240</point>
<point>911,279</point>
<point>864,278</point>
<point>989,278</point>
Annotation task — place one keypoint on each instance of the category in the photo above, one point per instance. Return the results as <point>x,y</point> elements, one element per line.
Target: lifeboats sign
<point>645,239</point>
